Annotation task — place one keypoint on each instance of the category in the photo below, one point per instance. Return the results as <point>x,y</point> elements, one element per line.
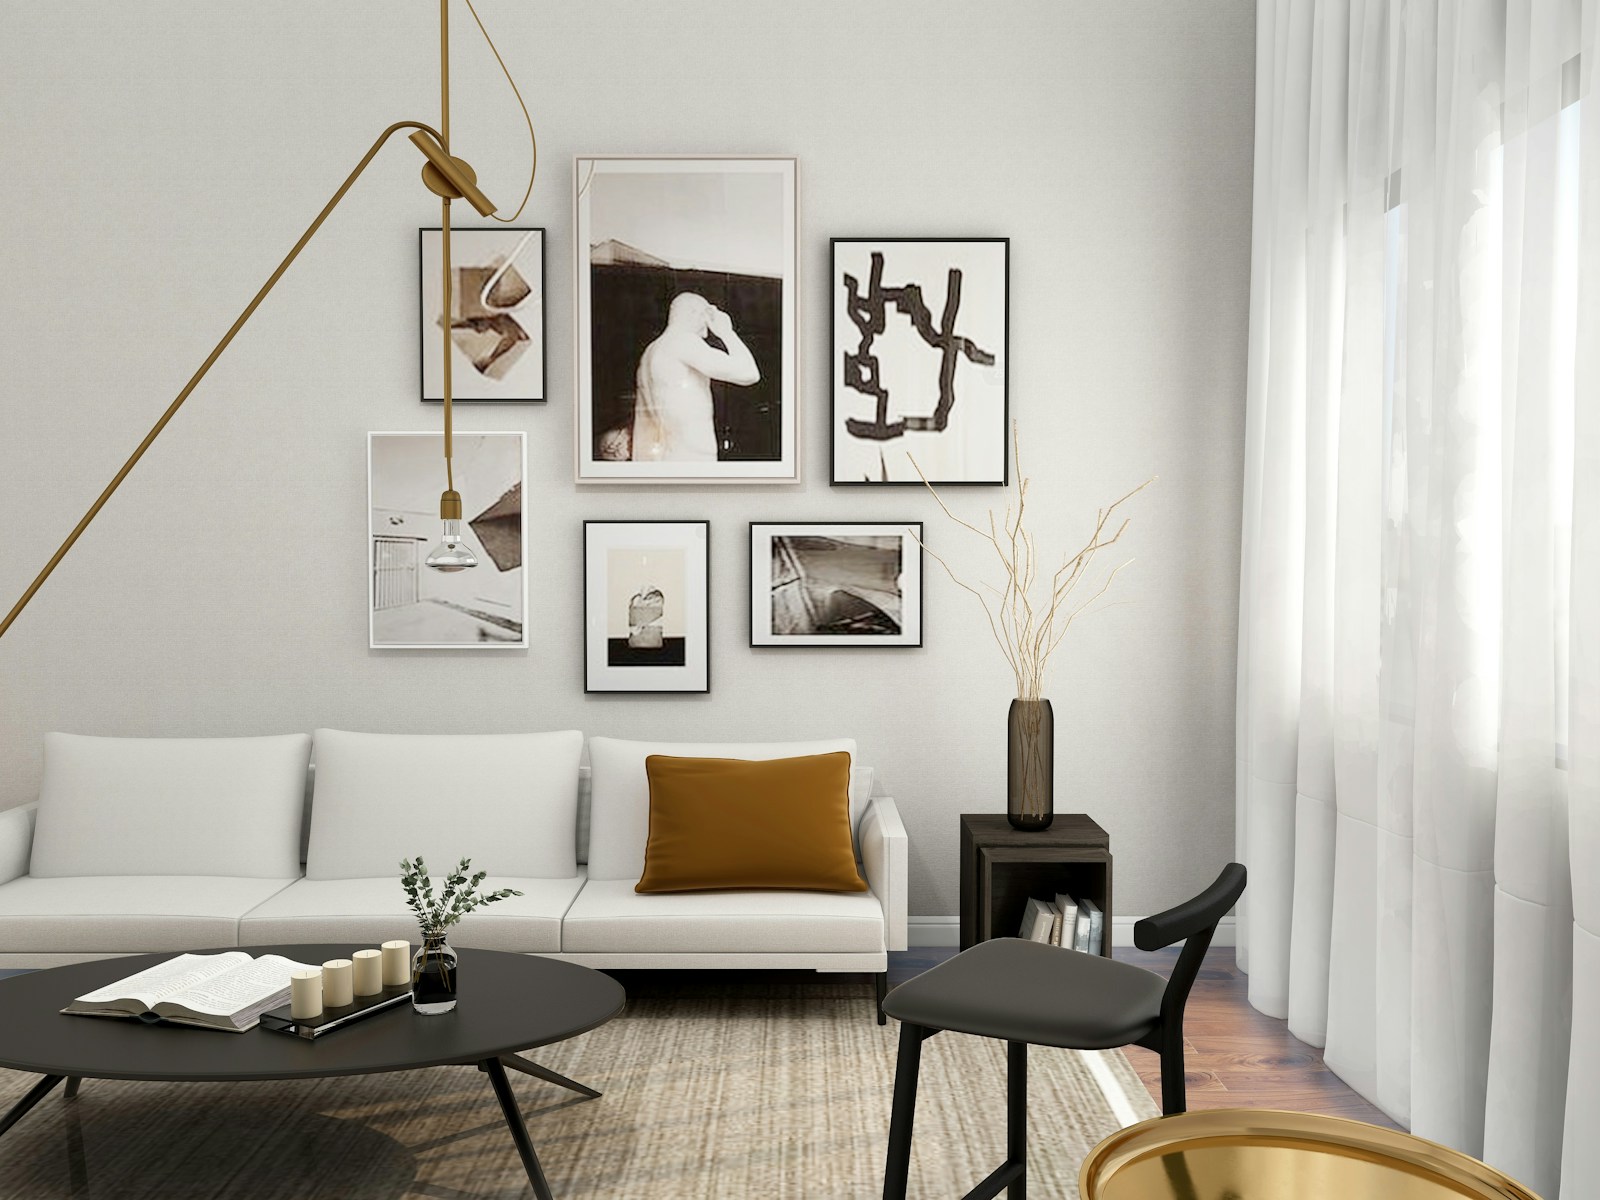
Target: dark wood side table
<point>1002,868</point>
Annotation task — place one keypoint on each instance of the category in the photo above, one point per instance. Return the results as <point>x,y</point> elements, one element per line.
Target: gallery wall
<point>162,156</point>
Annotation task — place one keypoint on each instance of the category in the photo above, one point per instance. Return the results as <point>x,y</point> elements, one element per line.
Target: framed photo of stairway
<point>411,607</point>
<point>843,583</point>
<point>646,610</point>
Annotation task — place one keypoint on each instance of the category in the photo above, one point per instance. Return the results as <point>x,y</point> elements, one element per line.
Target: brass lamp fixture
<point>446,176</point>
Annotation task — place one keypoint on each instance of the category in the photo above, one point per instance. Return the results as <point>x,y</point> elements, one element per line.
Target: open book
<point>213,991</point>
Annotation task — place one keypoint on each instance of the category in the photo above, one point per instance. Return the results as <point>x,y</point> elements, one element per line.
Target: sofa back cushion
<point>508,801</point>
<point>619,796</point>
<point>171,806</point>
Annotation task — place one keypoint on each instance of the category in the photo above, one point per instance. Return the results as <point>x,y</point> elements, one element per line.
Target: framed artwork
<point>920,350</point>
<point>497,328</point>
<point>685,283</point>
<point>412,607</point>
<point>646,611</point>
<point>844,583</point>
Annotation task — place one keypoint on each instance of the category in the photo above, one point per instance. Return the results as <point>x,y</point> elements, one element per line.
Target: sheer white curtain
<point>1419,663</point>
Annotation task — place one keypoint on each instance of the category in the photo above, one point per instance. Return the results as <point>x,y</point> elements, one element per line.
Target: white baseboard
<point>946,931</point>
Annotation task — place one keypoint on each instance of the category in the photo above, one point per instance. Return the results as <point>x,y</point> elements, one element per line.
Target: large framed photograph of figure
<point>686,285</point>
<point>920,331</point>
<point>844,583</point>
<point>497,318</point>
<point>411,605</point>
<point>646,609</point>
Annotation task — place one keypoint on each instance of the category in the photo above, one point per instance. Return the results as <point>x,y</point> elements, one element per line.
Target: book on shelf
<point>226,991</point>
<point>1094,927</point>
<point>1068,925</point>
<point>1080,936</point>
<point>1038,921</point>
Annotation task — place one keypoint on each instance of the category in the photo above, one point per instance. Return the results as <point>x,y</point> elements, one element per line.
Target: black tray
<point>279,1021</point>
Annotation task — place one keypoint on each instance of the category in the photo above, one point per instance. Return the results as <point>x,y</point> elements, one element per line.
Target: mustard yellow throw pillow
<point>737,823</point>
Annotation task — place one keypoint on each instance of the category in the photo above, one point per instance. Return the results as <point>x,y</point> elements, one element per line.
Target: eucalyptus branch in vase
<point>437,913</point>
<point>1032,608</point>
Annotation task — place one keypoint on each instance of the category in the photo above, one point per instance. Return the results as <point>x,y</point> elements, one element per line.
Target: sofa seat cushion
<point>610,917</point>
<point>374,910</point>
<point>127,913</point>
<point>171,806</point>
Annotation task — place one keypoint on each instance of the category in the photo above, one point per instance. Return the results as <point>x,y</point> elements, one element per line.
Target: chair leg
<point>881,986</point>
<point>1173,1099</point>
<point>1017,1117</point>
<point>897,1169</point>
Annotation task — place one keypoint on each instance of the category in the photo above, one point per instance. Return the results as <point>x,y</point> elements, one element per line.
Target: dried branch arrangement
<point>1032,611</point>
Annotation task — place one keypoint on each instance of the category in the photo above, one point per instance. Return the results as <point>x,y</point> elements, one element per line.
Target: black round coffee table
<point>507,1003</point>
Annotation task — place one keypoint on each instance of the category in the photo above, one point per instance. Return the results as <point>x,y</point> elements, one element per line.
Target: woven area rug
<point>737,1091</point>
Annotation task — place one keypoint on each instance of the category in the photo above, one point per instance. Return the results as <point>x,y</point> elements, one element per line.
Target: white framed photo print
<point>685,277</point>
<point>413,607</point>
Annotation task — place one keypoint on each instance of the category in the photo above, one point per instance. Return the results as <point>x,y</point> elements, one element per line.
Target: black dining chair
<point>1028,993</point>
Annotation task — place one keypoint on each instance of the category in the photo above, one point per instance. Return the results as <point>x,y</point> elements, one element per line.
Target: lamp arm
<point>216,353</point>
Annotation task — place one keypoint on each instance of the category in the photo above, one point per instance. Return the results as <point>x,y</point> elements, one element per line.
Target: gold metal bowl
<point>1260,1154</point>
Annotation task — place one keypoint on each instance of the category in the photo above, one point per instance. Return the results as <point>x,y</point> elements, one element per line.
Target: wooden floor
<point>1236,1057</point>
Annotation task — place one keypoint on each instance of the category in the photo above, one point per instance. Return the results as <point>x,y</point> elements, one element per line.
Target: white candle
<point>338,983</point>
<point>305,995</point>
<point>396,963</point>
<point>369,972</point>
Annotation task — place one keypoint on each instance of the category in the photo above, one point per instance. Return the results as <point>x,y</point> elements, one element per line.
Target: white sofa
<point>139,845</point>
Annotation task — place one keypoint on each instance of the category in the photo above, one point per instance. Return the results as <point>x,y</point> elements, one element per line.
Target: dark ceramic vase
<point>1030,764</point>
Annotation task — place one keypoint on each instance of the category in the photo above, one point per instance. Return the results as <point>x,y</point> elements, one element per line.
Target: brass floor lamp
<point>447,177</point>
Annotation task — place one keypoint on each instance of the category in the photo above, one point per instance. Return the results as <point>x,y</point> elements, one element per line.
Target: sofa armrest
<point>16,841</point>
<point>883,855</point>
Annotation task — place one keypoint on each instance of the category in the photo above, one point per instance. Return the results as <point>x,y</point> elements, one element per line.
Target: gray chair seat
<point>1024,991</point>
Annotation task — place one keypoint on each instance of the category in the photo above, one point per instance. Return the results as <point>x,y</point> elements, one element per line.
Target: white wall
<point>160,157</point>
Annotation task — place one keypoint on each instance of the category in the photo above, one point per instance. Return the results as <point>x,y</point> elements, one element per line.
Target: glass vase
<point>433,975</point>
<point>1030,764</point>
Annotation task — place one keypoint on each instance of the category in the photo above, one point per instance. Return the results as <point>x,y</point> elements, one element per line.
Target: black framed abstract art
<point>497,326</point>
<point>840,583</point>
<point>920,354</point>
<point>685,274</point>
<point>646,610</point>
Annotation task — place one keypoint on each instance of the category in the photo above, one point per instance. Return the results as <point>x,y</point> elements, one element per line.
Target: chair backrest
<point>1193,922</point>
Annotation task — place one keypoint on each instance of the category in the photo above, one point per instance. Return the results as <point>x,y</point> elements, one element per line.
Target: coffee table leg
<point>73,1083</point>
<point>35,1094</point>
<point>528,1067</point>
<point>514,1122</point>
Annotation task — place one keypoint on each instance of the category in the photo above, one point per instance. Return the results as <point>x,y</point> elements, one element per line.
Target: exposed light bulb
<point>452,553</point>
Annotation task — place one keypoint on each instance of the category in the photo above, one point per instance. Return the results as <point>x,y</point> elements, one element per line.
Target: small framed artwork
<point>497,322</point>
<point>685,283</point>
<point>920,337</point>
<point>646,611</point>
<point>410,605</point>
<point>849,583</point>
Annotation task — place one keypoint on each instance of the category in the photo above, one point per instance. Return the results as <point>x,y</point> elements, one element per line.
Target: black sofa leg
<point>897,1170</point>
<point>880,983</point>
